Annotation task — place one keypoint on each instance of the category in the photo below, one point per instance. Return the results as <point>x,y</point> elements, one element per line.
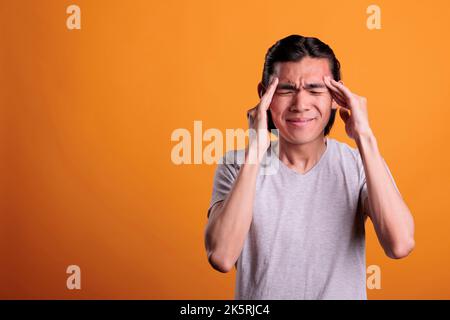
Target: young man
<point>299,233</point>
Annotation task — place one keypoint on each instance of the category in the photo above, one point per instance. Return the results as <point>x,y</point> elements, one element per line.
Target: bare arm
<point>230,220</point>
<point>390,215</point>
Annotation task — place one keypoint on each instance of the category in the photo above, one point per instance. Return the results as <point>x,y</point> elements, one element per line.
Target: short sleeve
<point>363,194</point>
<point>224,178</point>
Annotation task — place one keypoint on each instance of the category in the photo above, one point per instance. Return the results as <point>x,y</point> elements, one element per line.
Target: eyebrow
<point>315,85</point>
<point>286,86</point>
<point>291,86</point>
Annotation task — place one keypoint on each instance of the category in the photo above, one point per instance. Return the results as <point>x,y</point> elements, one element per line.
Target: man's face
<point>301,95</point>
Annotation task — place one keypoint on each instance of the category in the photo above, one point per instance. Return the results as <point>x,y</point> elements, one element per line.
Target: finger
<point>345,115</point>
<point>267,97</point>
<point>348,94</point>
<point>251,116</point>
<point>327,81</point>
<point>336,95</point>
<point>251,111</point>
<point>341,101</point>
<point>333,89</point>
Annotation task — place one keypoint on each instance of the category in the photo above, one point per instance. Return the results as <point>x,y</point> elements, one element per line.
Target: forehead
<point>307,69</point>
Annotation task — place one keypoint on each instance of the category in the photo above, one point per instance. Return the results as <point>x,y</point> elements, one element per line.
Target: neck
<point>302,157</point>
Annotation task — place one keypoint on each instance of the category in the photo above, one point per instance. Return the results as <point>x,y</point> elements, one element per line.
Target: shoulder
<point>345,153</point>
<point>343,148</point>
<point>233,158</point>
<point>231,161</point>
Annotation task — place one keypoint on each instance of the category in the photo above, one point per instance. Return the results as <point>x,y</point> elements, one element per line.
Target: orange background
<point>87,116</point>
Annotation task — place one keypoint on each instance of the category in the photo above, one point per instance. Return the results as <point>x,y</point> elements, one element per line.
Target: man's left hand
<point>353,109</point>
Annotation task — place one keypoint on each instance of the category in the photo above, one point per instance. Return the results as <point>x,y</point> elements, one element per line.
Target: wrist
<point>366,135</point>
<point>366,141</point>
<point>253,156</point>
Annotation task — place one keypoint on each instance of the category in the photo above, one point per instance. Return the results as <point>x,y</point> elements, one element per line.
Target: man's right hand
<point>259,139</point>
<point>229,222</point>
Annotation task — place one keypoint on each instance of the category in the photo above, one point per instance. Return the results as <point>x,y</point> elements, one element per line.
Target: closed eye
<point>317,92</point>
<point>285,92</point>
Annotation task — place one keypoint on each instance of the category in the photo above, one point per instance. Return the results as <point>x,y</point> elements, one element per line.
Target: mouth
<point>300,122</point>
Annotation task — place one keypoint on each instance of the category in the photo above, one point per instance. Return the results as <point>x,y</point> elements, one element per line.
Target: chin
<point>299,137</point>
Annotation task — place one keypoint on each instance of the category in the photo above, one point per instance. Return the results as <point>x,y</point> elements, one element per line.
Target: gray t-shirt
<point>307,237</point>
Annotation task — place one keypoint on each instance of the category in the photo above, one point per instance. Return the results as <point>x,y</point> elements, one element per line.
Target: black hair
<point>293,48</point>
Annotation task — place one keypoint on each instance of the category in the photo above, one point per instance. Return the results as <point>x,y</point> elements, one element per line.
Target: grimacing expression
<point>301,105</point>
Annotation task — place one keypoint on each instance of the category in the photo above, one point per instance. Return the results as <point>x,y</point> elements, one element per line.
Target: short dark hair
<point>293,48</point>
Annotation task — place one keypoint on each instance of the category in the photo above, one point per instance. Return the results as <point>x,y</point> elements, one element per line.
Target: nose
<point>299,102</point>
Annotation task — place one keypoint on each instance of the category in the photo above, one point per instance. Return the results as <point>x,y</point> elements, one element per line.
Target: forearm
<point>390,215</point>
<point>227,230</point>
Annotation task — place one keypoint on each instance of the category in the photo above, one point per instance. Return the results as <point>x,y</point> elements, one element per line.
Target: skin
<point>301,92</point>
<point>391,217</point>
<point>300,149</point>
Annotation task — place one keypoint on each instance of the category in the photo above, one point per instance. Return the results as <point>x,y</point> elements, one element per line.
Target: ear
<point>260,90</point>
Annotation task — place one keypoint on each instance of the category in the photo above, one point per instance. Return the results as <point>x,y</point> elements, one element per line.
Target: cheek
<point>277,108</point>
<point>323,105</point>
